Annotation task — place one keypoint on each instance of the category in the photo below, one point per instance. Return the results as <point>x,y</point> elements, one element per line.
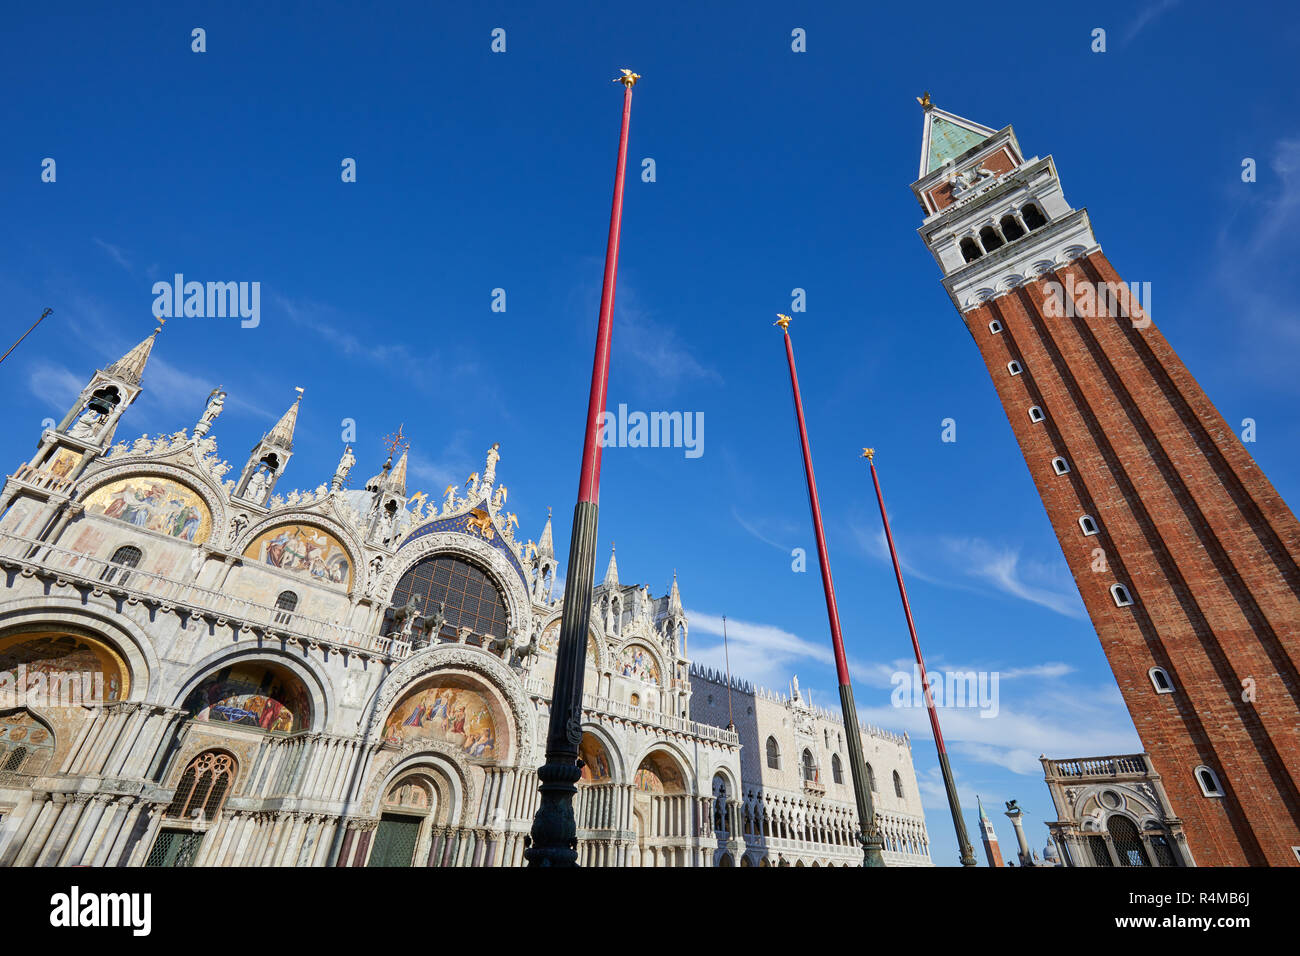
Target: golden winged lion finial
<point>628,78</point>
<point>782,320</point>
<point>869,454</point>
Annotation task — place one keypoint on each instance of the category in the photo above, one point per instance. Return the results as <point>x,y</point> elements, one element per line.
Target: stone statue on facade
<point>257,487</point>
<point>522,655</point>
<point>216,401</point>
<point>88,425</point>
<point>490,469</point>
<point>341,472</point>
<point>502,646</point>
<point>436,620</point>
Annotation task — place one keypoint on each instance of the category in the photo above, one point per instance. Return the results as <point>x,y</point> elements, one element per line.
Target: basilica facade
<point>198,668</point>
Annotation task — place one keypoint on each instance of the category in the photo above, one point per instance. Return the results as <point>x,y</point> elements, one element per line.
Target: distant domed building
<point>200,668</point>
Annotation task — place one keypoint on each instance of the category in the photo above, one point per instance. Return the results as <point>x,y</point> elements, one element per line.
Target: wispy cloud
<point>1054,717</point>
<point>762,653</point>
<point>1148,15</point>
<point>975,564</point>
<point>1253,265</point>
<point>1035,581</point>
<point>116,253</point>
<point>54,385</point>
<point>752,528</point>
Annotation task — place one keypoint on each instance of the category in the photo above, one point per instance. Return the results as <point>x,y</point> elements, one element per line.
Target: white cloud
<point>54,385</point>
<point>756,533</point>
<point>764,654</point>
<point>1149,14</point>
<point>116,253</point>
<point>1059,718</point>
<point>1036,582</point>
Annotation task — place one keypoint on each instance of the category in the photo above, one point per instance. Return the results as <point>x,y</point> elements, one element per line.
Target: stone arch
<point>494,673</point>
<point>619,772</point>
<point>484,674</point>
<point>656,654</point>
<point>446,770</point>
<point>212,494</point>
<point>677,756</point>
<point>603,660</point>
<point>468,548</point>
<point>305,669</point>
<point>28,741</point>
<point>98,623</point>
<point>343,534</point>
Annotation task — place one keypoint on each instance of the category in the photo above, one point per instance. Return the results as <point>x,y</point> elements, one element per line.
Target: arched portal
<point>253,693</point>
<point>454,709</point>
<point>597,807</point>
<point>60,669</point>
<point>408,812</point>
<point>661,796</point>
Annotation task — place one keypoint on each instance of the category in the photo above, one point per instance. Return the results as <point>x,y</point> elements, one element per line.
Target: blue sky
<point>775,170</point>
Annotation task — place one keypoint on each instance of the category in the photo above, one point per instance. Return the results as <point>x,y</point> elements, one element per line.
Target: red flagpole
<point>869,836</point>
<point>963,842</point>
<point>553,841</point>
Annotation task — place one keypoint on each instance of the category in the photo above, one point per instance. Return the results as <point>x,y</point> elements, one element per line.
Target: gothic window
<point>472,598</point>
<point>1160,680</point>
<point>14,761</point>
<point>837,769</point>
<point>1209,782</point>
<point>285,605</point>
<point>1164,852</point>
<point>1100,854</point>
<point>898,785</point>
<point>1036,414</point>
<point>871,778</point>
<point>175,848</point>
<point>995,326</point>
<point>204,786</point>
<point>1121,595</point>
<point>118,568</point>
<point>773,754</point>
<point>1128,845</point>
<point>1033,218</point>
<point>1010,228</point>
<point>990,239</point>
<point>809,767</point>
<point>1060,465</point>
<point>970,250</point>
<point>1014,368</point>
<point>1088,525</point>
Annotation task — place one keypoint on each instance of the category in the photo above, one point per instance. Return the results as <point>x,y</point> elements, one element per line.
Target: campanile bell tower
<point>1187,559</point>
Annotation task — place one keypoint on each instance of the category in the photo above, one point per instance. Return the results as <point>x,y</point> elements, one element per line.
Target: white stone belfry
<point>268,459</point>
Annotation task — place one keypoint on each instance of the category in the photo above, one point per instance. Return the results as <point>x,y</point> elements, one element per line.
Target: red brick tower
<point>1187,559</point>
<point>991,850</point>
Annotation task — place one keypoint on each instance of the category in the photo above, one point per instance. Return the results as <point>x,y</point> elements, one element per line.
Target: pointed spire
<point>674,596</point>
<point>130,366</point>
<point>983,816</point>
<point>546,546</point>
<point>282,433</point>
<point>611,573</point>
<point>397,480</point>
<point>946,136</point>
